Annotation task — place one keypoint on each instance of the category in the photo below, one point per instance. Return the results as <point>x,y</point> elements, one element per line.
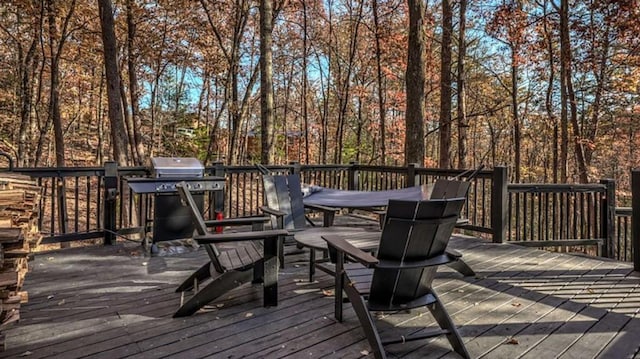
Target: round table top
<point>360,237</point>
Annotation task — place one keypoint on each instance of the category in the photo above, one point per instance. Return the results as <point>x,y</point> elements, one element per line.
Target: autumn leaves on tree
<point>548,88</point>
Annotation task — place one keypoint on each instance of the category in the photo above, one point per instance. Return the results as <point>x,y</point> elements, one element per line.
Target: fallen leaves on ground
<point>512,341</point>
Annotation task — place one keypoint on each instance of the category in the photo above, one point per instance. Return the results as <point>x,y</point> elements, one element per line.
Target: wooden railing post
<point>411,175</point>
<point>499,204</point>
<point>635,218</point>
<point>608,219</point>
<point>218,196</point>
<point>110,199</point>
<point>296,167</point>
<point>352,176</point>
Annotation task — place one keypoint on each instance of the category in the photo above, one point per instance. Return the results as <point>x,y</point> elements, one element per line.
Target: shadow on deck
<point>112,302</point>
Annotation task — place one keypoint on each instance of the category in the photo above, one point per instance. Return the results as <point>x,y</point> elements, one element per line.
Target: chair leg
<point>366,321</point>
<point>462,267</point>
<point>200,275</point>
<point>312,263</point>
<point>444,320</point>
<point>220,285</point>
<point>258,272</point>
<point>281,252</point>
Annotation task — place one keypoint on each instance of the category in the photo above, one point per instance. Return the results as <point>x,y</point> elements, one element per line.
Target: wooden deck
<point>112,302</point>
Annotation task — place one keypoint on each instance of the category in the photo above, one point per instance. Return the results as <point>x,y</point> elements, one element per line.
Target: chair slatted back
<point>284,193</point>
<point>413,231</point>
<point>199,224</point>
<point>445,188</point>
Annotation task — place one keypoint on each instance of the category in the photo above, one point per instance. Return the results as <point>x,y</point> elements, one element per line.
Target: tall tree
<point>548,100</point>
<point>266,81</point>
<point>134,92</point>
<point>344,86</point>
<point>119,138</point>
<point>380,82</point>
<point>305,79</point>
<point>461,80</point>
<point>57,40</point>
<point>568,93</point>
<point>445,85</point>
<point>508,25</point>
<point>415,80</point>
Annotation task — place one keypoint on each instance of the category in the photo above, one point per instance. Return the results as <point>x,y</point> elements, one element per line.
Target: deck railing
<point>98,203</point>
<point>546,215</point>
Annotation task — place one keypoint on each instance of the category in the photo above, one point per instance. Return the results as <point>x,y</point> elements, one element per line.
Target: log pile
<point>19,233</point>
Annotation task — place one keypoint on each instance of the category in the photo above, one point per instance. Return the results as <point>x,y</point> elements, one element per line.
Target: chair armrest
<point>212,238</point>
<point>236,221</point>
<point>328,213</point>
<point>341,245</point>
<point>279,216</point>
<point>272,211</point>
<point>435,261</point>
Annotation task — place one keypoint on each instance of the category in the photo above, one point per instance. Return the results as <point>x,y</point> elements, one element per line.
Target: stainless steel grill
<point>170,219</point>
<point>176,167</point>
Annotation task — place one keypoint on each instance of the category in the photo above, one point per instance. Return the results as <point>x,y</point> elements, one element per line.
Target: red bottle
<point>219,217</point>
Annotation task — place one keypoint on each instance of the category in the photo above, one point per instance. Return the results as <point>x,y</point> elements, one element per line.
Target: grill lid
<point>176,167</point>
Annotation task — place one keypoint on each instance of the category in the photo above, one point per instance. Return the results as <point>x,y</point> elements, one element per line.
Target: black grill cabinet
<point>171,220</point>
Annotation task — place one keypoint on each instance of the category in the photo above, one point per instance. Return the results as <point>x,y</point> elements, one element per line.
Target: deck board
<point>112,302</point>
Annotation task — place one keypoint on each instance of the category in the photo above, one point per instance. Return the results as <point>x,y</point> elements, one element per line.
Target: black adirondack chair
<point>242,257</point>
<point>412,246</point>
<point>283,198</point>
<point>454,188</point>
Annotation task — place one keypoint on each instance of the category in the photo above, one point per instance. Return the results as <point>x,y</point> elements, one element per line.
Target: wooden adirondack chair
<point>283,193</point>
<point>453,188</point>
<point>246,256</point>
<point>412,246</point>
<point>283,198</point>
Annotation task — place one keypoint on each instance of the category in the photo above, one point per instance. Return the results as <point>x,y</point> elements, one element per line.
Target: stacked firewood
<point>19,233</point>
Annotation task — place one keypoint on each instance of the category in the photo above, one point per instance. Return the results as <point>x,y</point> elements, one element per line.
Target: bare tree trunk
<point>26,98</point>
<point>445,85</point>
<point>324,117</point>
<point>566,63</point>
<point>380,82</point>
<point>564,121</point>
<point>99,119</point>
<point>138,146</point>
<point>359,129</point>
<point>266,81</point>
<point>601,83</point>
<point>514,111</point>
<point>415,80</point>
<point>43,129</point>
<point>54,99</point>
<point>54,103</point>
<point>345,87</point>
<point>120,141</point>
<point>462,108</point>
<point>305,80</point>
<point>232,55</point>
<point>549,93</point>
